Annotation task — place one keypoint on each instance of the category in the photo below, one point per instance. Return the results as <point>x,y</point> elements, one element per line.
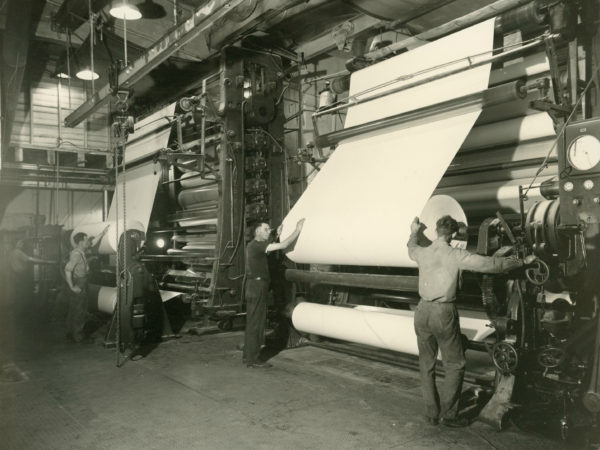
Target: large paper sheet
<point>359,207</point>
<point>140,185</point>
<point>151,134</point>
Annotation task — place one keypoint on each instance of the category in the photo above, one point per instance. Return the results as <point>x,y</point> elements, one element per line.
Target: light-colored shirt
<point>440,264</point>
<point>18,261</point>
<point>77,263</point>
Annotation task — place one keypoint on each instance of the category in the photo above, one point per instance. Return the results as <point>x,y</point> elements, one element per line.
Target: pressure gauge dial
<point>584,152</point>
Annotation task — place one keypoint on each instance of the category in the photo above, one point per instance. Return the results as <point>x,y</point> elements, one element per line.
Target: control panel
<point>579,173</point>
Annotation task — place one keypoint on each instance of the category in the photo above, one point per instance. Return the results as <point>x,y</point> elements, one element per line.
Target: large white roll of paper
<point>385,328</point>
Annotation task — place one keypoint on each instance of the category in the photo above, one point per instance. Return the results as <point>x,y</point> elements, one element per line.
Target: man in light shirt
<point>436,317</point>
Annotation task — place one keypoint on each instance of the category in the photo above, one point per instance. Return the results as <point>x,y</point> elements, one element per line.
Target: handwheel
<point>538,273</point>
<point>505,357</point>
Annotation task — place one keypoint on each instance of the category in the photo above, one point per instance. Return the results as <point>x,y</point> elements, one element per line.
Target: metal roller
<point>530,66</point>
<point>535,126</point>
<point>486,198</point>
<point>509,110</point>
<point>496,157</point>
<point>197,222</point>
<point>522,175</point>
<point>189,197</point>
<point>528,17</point>
<point>193,179</point>
<point>541,226</point>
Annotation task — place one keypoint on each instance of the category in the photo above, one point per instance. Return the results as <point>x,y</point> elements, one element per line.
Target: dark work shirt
<point>256,260</point>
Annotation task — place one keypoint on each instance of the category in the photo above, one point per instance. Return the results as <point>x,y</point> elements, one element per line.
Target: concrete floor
<point>193,392</point>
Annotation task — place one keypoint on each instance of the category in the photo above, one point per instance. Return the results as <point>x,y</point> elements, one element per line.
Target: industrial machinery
<point>223,168</point>
<point>545,336</point>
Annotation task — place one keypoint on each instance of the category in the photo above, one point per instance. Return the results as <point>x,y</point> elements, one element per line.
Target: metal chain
<point>117,269</point>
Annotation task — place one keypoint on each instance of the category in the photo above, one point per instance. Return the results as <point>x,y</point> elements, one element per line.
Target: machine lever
<point>506,228</point>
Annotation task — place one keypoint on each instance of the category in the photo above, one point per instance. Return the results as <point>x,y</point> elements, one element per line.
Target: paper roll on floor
<point>359,207</point>
<point>379,327</point>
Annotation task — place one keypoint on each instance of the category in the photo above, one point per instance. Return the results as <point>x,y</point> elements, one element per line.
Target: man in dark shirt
<point>436,317</point>
<point>257,288</point>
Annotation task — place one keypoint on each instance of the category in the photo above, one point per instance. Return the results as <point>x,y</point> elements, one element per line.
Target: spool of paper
<point>107,299</point>
<point>359,207</point>
<point>520,129</point>
<point>379,327</point>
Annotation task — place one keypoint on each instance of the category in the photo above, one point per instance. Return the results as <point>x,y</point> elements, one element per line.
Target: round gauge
<point>568,186</point>
<point>588,185</point>
<point>584,152</point>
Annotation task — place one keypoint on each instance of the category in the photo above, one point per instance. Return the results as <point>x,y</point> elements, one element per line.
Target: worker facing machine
<point>471,117</point>
<point>257,287</point>
<point>436,316</point>
<point>517,146</point>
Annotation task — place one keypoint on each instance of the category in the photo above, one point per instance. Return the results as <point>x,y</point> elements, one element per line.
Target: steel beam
<point>199,25</point>
<point>326,43</point>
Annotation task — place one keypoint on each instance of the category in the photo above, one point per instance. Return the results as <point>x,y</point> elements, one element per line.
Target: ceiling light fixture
<point>87,75</point>
<point>124,11</point>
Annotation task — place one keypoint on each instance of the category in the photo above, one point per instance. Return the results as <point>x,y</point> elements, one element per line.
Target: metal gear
<point>505,357</point>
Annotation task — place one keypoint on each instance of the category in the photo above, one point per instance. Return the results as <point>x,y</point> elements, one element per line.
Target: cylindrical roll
<point>107,299</point>
<point>197,222</point>
<point>189,197</point>
<point>109,243</point>
<point>487,198</point>
<point>438,206</point>
<point>193,179</point>
<point>534,126</point>
<point>530,66</point>
<point>378,327</point>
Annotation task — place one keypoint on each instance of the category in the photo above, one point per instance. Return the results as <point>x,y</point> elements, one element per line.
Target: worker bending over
<point>436,317</point>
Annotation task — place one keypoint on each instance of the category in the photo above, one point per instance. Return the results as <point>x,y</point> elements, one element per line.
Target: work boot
<point>456,422</point>
<point>259,365</point>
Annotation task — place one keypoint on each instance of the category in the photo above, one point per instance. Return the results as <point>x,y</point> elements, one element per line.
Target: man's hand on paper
<point>415,226</point>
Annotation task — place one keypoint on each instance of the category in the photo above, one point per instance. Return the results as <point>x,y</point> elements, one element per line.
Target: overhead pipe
<point>489,97</point>
<point>480,15</point>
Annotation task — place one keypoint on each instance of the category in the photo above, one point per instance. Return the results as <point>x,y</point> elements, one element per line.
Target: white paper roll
<point>379,327</point>
<point>359,207</point>
<point>107,299</point>
<point>520,129</point>
<point>108,244</point>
